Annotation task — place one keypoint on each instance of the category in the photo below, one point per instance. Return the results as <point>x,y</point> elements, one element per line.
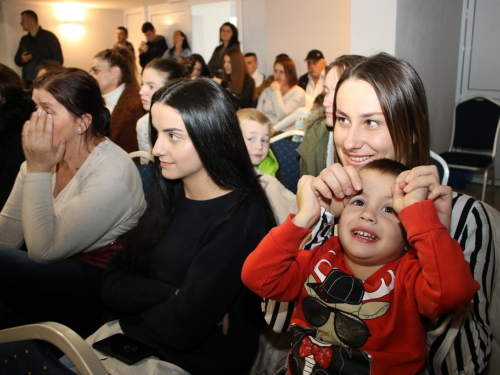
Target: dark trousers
<point>66,291</point>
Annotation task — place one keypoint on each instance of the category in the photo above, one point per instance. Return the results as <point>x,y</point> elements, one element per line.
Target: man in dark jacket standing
<point>154,46</point>
<point>36,46</point>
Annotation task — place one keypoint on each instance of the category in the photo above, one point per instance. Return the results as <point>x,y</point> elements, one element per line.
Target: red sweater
<point>370,327</point>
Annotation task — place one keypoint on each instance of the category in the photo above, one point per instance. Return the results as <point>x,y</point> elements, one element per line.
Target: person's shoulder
<point>466,211</point>
<point>47,32</point>
<point>297,90</point>
<point>114,159</point>
<point>463,204</point>
<point>303,79</point>
<point>131,97</point>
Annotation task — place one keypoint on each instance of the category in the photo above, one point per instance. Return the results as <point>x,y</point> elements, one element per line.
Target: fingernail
<point>35,114</point>
<point>358,186</point>
<point>348,191</point>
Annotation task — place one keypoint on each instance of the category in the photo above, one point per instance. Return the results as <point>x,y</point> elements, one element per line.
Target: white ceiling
<point>103,4</point>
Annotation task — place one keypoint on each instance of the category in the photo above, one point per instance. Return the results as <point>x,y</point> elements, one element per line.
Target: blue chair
<point>21,354</point>
<point>146,172</point>
<point>285,147</point>
<point>476,125</point>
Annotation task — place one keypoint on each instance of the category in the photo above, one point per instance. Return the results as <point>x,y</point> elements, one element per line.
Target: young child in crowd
<point>256,129</point>
<point>363,297</point>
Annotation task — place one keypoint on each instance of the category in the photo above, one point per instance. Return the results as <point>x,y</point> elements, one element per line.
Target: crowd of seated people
<point>76,232</point>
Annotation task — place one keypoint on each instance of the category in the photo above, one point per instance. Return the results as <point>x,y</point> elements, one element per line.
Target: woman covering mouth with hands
<point>75,195</point>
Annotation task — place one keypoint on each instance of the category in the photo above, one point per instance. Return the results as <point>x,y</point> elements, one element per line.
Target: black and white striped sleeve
<point>461,344</point>
<point>279,314</point>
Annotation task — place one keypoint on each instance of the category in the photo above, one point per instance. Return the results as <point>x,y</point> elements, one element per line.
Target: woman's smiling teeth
<point>359,158</point>
<point>366,235</point>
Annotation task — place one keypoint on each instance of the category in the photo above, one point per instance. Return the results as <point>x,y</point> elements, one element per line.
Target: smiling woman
<point>398,127</point>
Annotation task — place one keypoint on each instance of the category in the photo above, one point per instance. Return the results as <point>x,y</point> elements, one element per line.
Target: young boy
<point>256,129</point>
<point>363,297</point>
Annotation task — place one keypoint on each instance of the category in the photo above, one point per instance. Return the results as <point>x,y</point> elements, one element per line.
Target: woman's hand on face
<point>275,86</point>
<point>426,179</point>
<point>41,156</point>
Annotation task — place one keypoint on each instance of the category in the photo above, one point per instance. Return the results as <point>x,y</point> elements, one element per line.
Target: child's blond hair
<point>253,114</point>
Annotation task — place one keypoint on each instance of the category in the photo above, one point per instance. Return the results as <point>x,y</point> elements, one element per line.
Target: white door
<point>479,64</point>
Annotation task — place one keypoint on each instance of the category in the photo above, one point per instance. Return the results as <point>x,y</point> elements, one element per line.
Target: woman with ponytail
<point>75,196</point>
<point>116,72</point>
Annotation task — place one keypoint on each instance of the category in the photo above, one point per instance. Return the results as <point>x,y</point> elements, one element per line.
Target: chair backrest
<point>142,154</point>
<point>476,124</point>
<point>442,166</point>
<point>146,172</point>
<point>285,149</point>
<point>65,339</point>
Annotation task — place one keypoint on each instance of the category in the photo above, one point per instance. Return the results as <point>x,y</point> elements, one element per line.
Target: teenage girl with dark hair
<point>200,68</point>
<point>179,275</point>
<point>236,79</point>
<point>228,36</point>
<point>116,72</point>
<point>76,194</point>
<point>157,73</point>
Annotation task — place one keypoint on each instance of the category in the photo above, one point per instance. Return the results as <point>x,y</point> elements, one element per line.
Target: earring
<point>79,131</point>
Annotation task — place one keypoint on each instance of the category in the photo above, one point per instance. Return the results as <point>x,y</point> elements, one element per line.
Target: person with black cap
<point>312,82</point>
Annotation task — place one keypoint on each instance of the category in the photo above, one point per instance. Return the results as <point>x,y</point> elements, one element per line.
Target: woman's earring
<point>79,131</point>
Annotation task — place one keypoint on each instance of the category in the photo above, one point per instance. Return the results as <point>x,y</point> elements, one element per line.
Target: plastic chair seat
<point>464,159</point>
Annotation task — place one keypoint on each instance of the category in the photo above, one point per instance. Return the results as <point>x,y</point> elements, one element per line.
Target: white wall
<point>270,27</point>
<point>428,37</point>
<point>295,27</point>
<point>373,26</point>
<point>97,32</point>
<point>253,26</point>
<point>206,22</point>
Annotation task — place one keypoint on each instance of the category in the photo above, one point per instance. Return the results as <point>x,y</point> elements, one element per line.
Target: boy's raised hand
<point>400,199</point>
<point>309,208</point>
<point>419,184</point>
<point>310,201</point>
